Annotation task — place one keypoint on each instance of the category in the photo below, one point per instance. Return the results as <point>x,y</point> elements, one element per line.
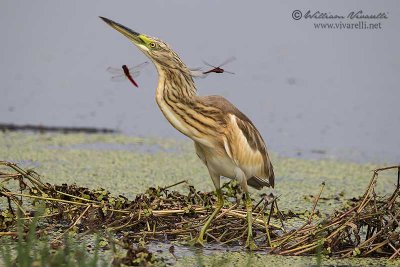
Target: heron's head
<point>158,51</point>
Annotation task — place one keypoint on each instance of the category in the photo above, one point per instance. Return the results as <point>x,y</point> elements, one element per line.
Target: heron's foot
<point>250,244</point>
<point>220,203</point>
<point>199,241</point>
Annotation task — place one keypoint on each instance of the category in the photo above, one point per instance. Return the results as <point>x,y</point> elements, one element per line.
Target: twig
<point>377,246</point>
<point>226,211</point>
<point>47,198</point>
<point>315,203</point>
<point>8,233</point>
<point>80,198</point>
<point>256,221</point>
<point>396,252</point>
<point>76,221</point>
<point>178,183</point>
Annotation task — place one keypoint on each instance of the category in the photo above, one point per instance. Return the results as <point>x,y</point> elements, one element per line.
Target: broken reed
<point>370,227</point>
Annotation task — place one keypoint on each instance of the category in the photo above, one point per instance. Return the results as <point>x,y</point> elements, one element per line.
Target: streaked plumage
<point>220,131</point>
<point>226,140</point>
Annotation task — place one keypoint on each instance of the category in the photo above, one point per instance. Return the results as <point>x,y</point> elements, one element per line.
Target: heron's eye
<point>152,45</point>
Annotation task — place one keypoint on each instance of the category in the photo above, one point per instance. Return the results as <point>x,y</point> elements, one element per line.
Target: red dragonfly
<point>123,73</point>
<point>219,69</point>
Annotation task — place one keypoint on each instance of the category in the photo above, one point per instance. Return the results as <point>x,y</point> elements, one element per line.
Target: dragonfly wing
<point>138,67</point>
<point>115,70</point>
<point>134,74</point>
<point>229,60</point>
<point>208,64</point>
<point>118,78</point>
<point>131,69</point>
<point>229,72</point>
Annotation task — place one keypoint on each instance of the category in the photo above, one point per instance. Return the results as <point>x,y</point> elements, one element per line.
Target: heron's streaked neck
<point>178,81</point>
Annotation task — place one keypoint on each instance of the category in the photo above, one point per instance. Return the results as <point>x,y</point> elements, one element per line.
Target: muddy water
<point>127,165</point>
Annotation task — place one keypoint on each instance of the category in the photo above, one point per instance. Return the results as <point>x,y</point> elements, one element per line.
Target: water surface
<point>306,90</point>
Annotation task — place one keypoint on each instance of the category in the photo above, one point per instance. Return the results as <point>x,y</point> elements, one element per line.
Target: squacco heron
<point>225,140</point>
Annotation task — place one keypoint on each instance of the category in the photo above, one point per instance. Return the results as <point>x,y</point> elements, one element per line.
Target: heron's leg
<point>249,207</point>
<point>218,207</point>
<point>241,177</point>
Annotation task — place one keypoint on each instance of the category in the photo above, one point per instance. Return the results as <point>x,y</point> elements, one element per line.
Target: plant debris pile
<point>369,227</point>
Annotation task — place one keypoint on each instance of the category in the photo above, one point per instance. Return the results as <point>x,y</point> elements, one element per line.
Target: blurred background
<point>311,92</point>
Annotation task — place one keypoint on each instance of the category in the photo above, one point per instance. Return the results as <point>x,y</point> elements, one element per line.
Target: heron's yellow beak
<point>138,39</point>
